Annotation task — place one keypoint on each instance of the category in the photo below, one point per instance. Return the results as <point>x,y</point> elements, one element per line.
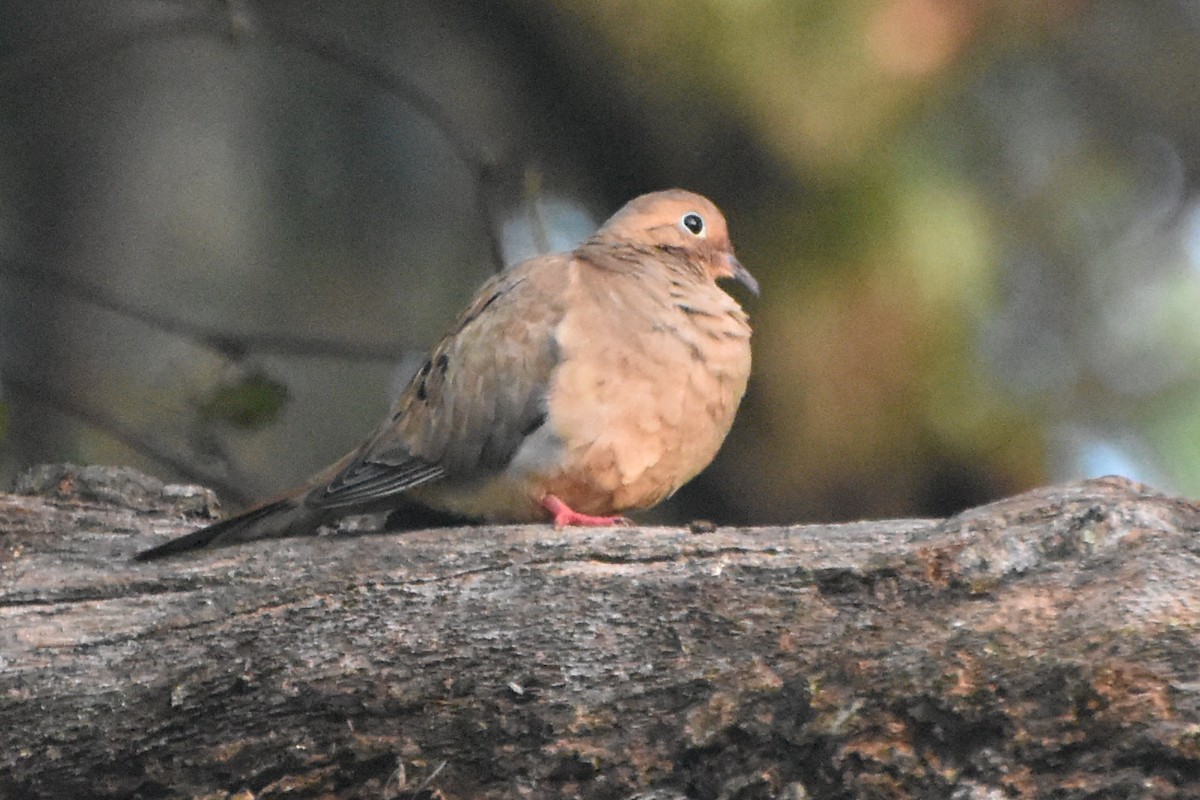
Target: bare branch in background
<point>236,22</point>
<point>230,489</point>
<point>232,345</point>
<point>485,169</point>
<point>231,20</point>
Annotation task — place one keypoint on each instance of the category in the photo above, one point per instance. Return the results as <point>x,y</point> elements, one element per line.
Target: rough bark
<point>1043,646</point>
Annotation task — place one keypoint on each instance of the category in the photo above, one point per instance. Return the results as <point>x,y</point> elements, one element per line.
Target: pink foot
<point>565,515</point>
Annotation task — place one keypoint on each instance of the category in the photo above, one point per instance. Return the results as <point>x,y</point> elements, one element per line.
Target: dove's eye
<point>693,222</point>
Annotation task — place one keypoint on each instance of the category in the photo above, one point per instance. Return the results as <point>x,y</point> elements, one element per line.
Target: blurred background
<point>228,230</point>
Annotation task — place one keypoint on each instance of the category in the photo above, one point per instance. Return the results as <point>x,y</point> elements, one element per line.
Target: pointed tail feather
<point>275,520</point>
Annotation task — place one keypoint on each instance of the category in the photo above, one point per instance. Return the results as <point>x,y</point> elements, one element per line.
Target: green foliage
<point>251,402</point>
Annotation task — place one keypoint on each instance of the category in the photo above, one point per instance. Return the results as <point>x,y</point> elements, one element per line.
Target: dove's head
<point>682,223</point>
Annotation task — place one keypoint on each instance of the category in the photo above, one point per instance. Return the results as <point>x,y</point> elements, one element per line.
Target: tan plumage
<point>576,386</point>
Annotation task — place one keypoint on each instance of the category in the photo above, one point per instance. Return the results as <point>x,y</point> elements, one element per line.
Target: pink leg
<point>565,515</point>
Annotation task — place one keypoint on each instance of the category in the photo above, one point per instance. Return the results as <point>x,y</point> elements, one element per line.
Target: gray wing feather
<point>480,393</point>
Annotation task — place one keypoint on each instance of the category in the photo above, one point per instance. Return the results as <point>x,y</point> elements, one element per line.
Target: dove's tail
<point>272,520</point>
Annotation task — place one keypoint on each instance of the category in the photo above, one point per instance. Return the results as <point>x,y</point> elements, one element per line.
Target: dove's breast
<point>652,369</point>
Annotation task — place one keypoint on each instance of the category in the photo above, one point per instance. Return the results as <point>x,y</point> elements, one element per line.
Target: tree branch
<point>1044,646</point>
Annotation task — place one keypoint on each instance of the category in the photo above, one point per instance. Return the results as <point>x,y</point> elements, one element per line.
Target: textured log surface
<point>1043,646</point>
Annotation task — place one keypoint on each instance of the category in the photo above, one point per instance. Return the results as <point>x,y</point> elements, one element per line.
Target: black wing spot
<point>534,424</point>
<point>422,374</point>
<point>443,361</point>
<point>692,311</point>
<point>474,314</point>
<point>489,301</point>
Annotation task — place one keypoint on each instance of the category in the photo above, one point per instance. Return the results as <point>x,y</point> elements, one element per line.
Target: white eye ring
<point>693,223</point>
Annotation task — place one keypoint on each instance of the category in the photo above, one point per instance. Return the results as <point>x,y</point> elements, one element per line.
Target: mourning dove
<point>576,386</point>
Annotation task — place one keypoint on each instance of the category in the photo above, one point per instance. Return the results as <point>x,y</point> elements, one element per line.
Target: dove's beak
<point>741,274</point>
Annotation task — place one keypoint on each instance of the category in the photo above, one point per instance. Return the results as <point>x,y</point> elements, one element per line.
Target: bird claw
<point>564,515</point>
